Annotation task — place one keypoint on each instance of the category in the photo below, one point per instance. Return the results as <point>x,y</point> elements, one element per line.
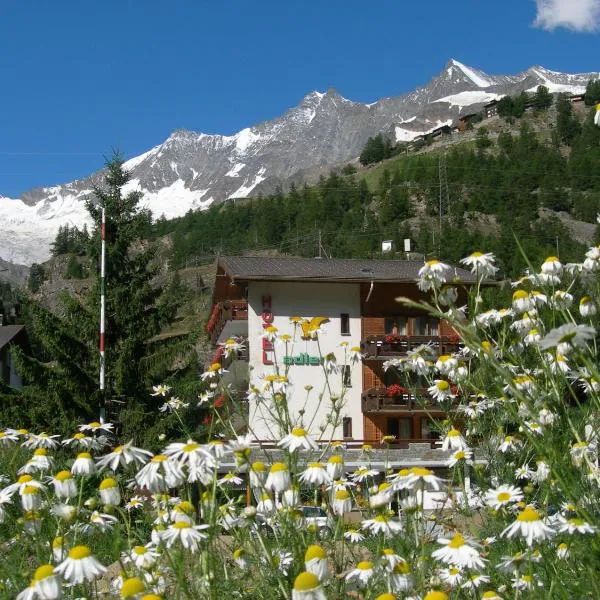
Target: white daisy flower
<point>432,274</point>
<point>143,557</point>
<point>382,524</point>
<point>315,474</point>
<point>297,439</point>
<point>335,466</point>
<point>503,496</point>
<point>315,561</point>
<point>354,536</point>
<point>481,264</point>
<point>552,266</point>
<point>43,440</point>
<point>109,491</point>
<point>124,455</point>
<point>457,551</point>
<point>587,307</point>
<point>80,566</point>
<point>308,587</point>
<point>530,526</point>
<point>94,427</point>
<point>361,573</point>
<point>441,390</point>
<point>160,474</point>
<point>574,525</point>
<point>454,441</point>
<point>83,465</point>
<point>184,532</point>
<point>522,302</point>
<point>279,478</point>
<point>363,473</point>
<point>451,576</point>
<point>160,390</point>
<point>422,477</point>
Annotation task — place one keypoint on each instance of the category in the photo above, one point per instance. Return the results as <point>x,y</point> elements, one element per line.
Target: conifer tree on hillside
<point>63,373</point>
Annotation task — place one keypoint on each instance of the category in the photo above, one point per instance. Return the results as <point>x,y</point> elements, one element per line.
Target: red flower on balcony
<point>394,339</point>
<point>453,338</point>
<point>395,390</point>
<point>220,401</point>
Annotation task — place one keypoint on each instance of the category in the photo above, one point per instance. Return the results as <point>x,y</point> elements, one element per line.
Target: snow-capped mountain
<point>193,170</point>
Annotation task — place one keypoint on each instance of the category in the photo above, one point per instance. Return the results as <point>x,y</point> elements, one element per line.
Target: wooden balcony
<point>377,400</point>
<point>227,310</point>
<point>383,346</point>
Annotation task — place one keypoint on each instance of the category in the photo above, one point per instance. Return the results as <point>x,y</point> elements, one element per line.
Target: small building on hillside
<point>10,335</point>
<point>491,109</point>
<point>358,299</point>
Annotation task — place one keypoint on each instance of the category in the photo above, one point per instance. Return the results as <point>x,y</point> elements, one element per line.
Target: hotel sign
<point>303,359</point>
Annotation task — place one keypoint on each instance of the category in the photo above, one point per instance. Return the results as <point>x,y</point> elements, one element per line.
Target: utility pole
<point>102,317</point>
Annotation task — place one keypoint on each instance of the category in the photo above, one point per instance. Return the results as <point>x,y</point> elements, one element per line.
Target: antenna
<point>102,319</point>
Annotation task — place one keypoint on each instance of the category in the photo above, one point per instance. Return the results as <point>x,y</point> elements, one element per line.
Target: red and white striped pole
<point>102,307</point>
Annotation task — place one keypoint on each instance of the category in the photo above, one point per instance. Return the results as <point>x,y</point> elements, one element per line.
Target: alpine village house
<point>358,297</point>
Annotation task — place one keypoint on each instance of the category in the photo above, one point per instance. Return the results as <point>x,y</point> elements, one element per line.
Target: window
<point>425,326</point>
<point>399,428</point>
<point>345,324</point>
<point>346,376</point>
<point>396,326</point>
<point>347,427</point>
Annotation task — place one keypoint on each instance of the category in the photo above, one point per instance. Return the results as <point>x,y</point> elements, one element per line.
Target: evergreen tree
<point>542,99</point>
<point>64,370</point>
<point>592,92</point>
<point>567,126</point>
<point>505,107</point>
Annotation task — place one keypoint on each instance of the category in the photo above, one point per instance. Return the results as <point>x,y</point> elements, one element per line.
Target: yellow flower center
<point>63,476</point>
<point>306,581</point>
<point>520,295</point>
<point>552,259</point>
<point>576,522</point>
<point>191,447</point>
<point>85,455</point>
<point>436,596</point>
<point>299,432</point>
<point>503,497</point>
<point>342,495</point>
<point>278,467</point>
<point>457,541</point>
<point>490,594</point>
<point>57,542</point>
<point>30,489</point>
<point>185,507</point>
<point>364,565</point>
<point>476,254</point>
<point>421,471</point>
<point>43,572</point>
<point>140,550</point>
<point>108,483</point>
<point>181,525</point>
<point>24,479</point>
<point>79,552</point>
<point>118,450</point>
<point>386,596</point>
<point>442,385</point>
<point>78,436</point>
<point>432,262</point>
<point>314,551</point>
<point>528,515</point>
<point>159,458</point>
<point>336,459</point>
<point>402,568</point>
<point>454,433</point>
<point>41,452</point>
<point>94,424</point>
<point>132,587</point>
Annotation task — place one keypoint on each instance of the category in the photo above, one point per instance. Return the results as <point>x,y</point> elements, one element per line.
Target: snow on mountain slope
<point>192,170</point>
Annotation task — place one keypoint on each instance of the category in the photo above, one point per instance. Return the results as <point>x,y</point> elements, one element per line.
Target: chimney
<point>387,246</point>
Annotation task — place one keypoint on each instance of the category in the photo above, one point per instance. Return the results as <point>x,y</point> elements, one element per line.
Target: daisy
<point>8,438</point>
<point>94,427</point>
<point>510,443</point>
<point>193,455</point>
<point>45,585</point>
<point>239,557</point>
<point>132,588</point>
<point>568,336</point>
<point>124,455</point>
<point>382,524</point>
<point>562,551</point>
<point>446,363</point>
<point>529,525</point>
<point>574,525</point>
<point>354,536</point>
<point>400,578</point>
<point>481,264</point>
<point>457,551</point>
<point>160,390</point>
<point>80,566</point>
<point>160,474</point>
<point>83,441</point>
<point>291,496</point>
<point>552,266</point>
<point>503,496</point>
<point>562,300</point>
<point>189,535</point>
<point>109,492</point>
<point>382,495</point>
<point>83,465</point>
<point>99,522</point>
<point>363,473</point>
<point>43,440</point>
<point>454,441</point>
<point>279,478</point>
<point>173,404</point>
<point>440,390</point>
<point>587,308</point>
<point>361,573</point>
<point>307,587</point>
<point>435,595</point>
<point>297,439</point>
<point>421,477</point>
<point>315,561</point>
<point>229,479</point>
<point>143,557</point>
<point>342,502</point>
<point>315,474</point>
<point>21,483</point>
<point>522,302</point>
<point>474,580</point>
<point>525,582</point>
<point>451,576</point>
<point>335,466</point>
<point>460,457</point>
<point>258,474</point>
<point>432,274</point>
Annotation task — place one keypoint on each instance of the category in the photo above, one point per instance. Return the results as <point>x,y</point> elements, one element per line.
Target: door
<point>400,428</point>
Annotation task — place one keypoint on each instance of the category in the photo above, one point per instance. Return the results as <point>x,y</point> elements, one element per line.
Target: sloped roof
<point>258,268</point>
<point>8,332</point>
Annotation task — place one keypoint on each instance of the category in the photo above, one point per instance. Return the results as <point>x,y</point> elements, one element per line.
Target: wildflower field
<point>85,517</point>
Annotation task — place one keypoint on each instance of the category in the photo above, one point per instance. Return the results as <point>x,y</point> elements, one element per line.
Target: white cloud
<point>578,15</point>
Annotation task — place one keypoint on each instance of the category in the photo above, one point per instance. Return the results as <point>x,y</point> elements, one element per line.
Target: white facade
<point>309,410</point>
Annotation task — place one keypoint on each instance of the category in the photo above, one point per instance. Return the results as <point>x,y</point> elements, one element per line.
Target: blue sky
<point>80,78</point>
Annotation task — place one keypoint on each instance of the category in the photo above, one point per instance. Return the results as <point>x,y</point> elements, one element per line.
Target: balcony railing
<point>378,400</point>
<point>227,310</point>
<point>388,346</point>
